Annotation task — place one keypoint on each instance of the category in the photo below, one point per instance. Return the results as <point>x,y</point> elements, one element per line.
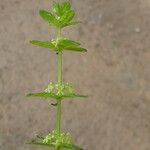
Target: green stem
<point>59,33</point>
<point>60,68</point>
<point>58,114</point>
<point>58,117</point>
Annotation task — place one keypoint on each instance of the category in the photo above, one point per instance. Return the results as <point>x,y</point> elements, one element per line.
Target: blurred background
<point>115,73</point>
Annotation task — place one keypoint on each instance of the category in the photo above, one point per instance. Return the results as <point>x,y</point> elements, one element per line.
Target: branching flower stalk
<point>62,16</point>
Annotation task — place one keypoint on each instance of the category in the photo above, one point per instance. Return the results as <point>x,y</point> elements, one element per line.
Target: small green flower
<point>68,88</point>
<point>47,139</point>
<point>59,89</point>
<point>53,41</point>
<point>49,88</point>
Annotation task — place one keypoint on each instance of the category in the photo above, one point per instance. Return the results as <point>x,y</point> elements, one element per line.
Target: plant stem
<point>59,33</point>
<point>60,68</point>
<point>58,114</point>
<point>58,117</point>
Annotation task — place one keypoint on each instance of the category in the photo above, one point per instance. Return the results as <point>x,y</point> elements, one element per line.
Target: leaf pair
<point>54,96</point>
<point>62,16</point>
<point>60,44</point>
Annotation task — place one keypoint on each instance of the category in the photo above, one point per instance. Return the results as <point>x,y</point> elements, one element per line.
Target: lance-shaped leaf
<point>66,43</point>
<point>65,7</point>
<point>56,8</point>
<point>44,95</point>
<point>70,146</point>
<point>46,44</point>
<point>49,17</point>
<point>40,143</point>
<point>76,49</point>
<point>74,96</point>
<point>66,18</point>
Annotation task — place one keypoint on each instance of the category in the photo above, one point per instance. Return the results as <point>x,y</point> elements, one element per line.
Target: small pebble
<point>137,30</point>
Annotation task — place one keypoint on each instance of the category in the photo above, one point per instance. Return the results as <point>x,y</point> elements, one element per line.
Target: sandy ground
<point>115,73</point>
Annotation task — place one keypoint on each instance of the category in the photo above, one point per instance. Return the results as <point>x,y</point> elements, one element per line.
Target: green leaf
<point>64,13</point>
<point>74,48</point>
<point>74,96</point>
<point>66,43</point>
<point>56,7</point>
<point>67,17</point>
<point>70,146</point>
<point>44,95</point>
<point>65,6</point>
<point>49,17</point>
<point>43,44</point>
<point>61,8</point>
<point>41,144</point>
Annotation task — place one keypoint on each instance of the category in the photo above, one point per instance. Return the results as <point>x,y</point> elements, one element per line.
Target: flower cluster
<point>59,89</point>
<point>54,138</point>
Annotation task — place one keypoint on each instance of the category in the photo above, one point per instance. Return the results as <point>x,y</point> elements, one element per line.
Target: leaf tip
<point>41,12</point>
<point>29,94</point>
<point>85,50</point>
<point>31,42</point>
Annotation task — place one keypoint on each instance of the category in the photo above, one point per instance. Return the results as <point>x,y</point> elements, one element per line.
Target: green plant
<point>62,16</point>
